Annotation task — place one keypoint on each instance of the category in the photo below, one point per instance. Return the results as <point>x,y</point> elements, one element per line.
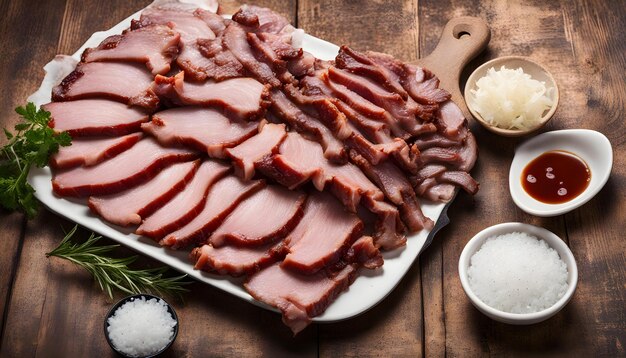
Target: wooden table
<point>52,308</point>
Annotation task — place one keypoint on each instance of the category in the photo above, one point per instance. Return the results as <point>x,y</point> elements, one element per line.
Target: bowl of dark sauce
<point>558,171</point>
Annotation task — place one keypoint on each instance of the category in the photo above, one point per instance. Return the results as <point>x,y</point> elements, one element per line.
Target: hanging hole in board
<point>461,31</point>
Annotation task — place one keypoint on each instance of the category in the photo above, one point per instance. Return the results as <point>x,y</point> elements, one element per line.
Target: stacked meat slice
<point>225,137</point>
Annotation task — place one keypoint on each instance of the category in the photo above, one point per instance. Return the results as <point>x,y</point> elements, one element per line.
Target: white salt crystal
<point>141,327</point>
<point>517,273</point>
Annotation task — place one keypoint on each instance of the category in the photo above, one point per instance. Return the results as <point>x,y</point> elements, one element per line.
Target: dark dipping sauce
<point>556,177</point>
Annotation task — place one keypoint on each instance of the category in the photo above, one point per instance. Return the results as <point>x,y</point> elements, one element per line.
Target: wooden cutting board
<point>462,39</point>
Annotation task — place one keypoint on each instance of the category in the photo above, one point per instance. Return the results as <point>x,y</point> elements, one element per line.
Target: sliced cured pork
<point>222,198</point>
<point>186,204</point>
<point>240,98</point>
<point>235,40</point>
<point>365,253</point>
<point>183,18</point>
<point>397,189</point>
<point>205,129</point>
<point>129,206</point>
<point>129,83</point>
<point>247,154</point>
<point>194,26</point>
<point>299,297</point>
<point>300,160</point>
<point>374,93</point>
<point>323,235</point>
<point>289,113</point>
<point>91,117</point>
<point>154,45</point>
<point>265,216</point>
<point>262,20</point>
<point>91,151</point>
<point>360,64</point>
<point>236,260</point>
<point>132,167</point>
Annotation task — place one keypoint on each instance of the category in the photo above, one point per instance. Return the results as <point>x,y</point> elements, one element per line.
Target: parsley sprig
<point>32,144</point>
<point>114,273</point>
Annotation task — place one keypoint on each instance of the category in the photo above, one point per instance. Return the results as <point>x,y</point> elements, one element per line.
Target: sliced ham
<point>388,228</point>
<point>366,108</point>
<point>236,260</point>
<point>206,58</point>
<point>451,119</point>
<point>299,297</point>
<point>361,64</point>
<point>247,154</point>
<point>132,167</point>
<point>235,40</point>
<point>323,235</point>
<point>154,45</point>
<point>300,160</point>
<point>284,109</point>
<point>419,83</point>
<point>266,216</point>
<point>240,98</point>
<point>398,190</point>
<point>129,83</point>
<point>186,204</point>
<point>90,117</point>
<point>423,86</point>
<point>261,19</point>
<point>222,198</point>
<point>202,128</point>
<point>196,26</point>
<point>371,91</point>
<point>180,16</point>
<point>91,151</point>
<point>129,206</point>
<point>365,253</point>
<point>460,178</point>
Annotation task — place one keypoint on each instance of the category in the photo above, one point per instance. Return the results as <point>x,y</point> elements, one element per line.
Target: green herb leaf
<point>112,273</point>
<point>32,144</point>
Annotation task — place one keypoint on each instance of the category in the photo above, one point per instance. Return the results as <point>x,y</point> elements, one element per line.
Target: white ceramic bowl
<point>518,318</point>
<point>534,69</point>
<point>593,147</point>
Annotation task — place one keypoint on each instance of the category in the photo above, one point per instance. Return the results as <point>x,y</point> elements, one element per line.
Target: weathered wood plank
<point>555,35</point>
<point>385,26</point>
<point>596,231</point>
<point>25,49</point>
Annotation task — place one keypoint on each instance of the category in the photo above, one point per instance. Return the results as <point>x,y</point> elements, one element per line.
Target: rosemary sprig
<point>32,144</point>
<point>112,273</point>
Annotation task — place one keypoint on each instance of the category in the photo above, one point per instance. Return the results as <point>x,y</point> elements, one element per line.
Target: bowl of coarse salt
<point>518,273</point>
<point>511,95</point>
<point>141,325</point>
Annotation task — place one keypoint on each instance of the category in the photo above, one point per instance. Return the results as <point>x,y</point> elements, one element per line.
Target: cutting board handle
<point>462,39</point>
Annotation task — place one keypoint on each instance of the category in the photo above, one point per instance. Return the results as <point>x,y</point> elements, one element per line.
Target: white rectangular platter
<point>369,288</point>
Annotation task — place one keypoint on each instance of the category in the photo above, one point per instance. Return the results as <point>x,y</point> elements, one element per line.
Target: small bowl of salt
<point>518,273</point>
<point>141,325</point>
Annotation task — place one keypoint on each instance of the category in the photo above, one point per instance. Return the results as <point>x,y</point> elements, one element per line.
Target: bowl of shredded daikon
<point>518,273</point>
<point>511,95</point>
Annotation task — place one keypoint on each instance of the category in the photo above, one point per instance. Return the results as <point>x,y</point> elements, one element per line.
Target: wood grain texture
<point>20,77</point>
<point>385,26</point>
<point>45,301</point>
<point>556,35</point>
